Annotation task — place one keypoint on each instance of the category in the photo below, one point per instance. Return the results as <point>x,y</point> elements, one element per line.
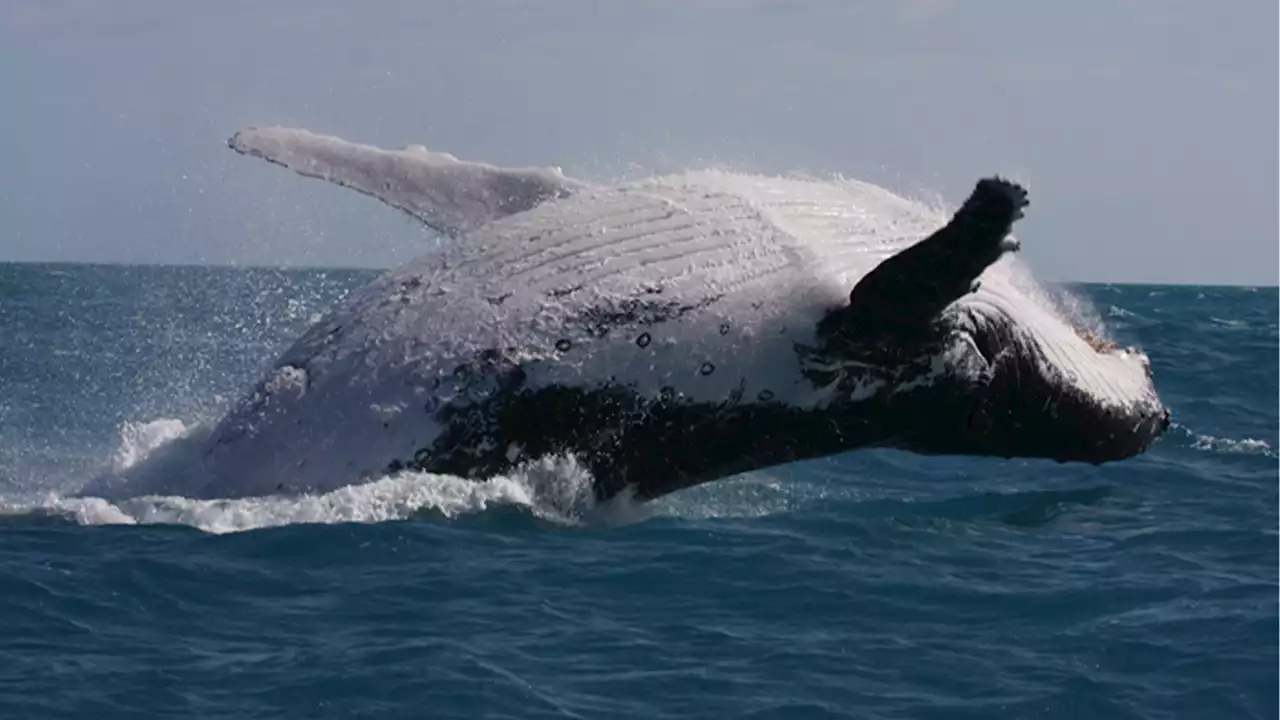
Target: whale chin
<point>1047,390</point>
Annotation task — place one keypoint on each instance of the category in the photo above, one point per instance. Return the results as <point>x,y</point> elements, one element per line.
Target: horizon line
<point>384,268</point>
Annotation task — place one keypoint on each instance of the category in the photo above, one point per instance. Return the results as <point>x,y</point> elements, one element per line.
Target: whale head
<point>995,375</point>
<point>1028,383</point>
<point>969,357</point>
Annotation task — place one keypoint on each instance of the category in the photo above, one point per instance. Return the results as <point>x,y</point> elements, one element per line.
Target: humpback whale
<point>668,332</point>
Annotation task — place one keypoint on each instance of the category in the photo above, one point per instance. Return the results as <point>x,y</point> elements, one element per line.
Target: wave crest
<point>556,490</point>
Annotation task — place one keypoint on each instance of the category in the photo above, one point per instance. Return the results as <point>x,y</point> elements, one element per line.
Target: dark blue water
<point>875,585</point>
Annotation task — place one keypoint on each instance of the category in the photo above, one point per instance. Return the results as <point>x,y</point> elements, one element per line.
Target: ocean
<point>876,584</point>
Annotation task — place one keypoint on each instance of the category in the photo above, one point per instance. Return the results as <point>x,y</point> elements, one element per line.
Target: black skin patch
<point>893,319</point>
<point>668,443</point>
<point>599,320</point>
<point>900,298</point>
<point>564,292</point>
<point>665,443</point>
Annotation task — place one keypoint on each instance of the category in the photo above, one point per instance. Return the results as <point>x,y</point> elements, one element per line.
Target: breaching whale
<point>669,332</point>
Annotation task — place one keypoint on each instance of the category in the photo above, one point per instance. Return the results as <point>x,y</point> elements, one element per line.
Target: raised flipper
<point>445,193</point>
<point>905,292</point>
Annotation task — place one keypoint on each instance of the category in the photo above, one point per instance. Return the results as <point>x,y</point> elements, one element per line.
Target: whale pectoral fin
<point>445,193</point>
<point>909,289</point>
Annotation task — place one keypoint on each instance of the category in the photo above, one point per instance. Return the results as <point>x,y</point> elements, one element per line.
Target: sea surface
<point>872,585</point>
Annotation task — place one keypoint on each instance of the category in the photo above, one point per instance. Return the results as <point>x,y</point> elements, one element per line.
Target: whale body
<point>664,333</point>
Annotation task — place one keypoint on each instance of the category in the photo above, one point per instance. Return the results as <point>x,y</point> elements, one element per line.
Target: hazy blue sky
<point>1146,130</point>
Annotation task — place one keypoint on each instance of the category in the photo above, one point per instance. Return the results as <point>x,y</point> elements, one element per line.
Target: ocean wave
<point>553,489</point>
<point>1222,445</point>
<point>396,497</point>
<point>556,491</point>
<point>1244,446</point>
<point>1226,323</point>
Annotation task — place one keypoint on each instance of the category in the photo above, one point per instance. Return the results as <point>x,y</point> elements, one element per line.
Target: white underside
<point>778,252</point>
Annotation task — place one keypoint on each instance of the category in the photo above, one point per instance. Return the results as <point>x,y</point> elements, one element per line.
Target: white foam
<point>1247,446</point>
<point>140,439</point>
<point>540,491</point>
<point>554,489</point>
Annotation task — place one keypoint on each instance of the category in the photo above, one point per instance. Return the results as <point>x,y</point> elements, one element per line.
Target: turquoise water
<point>873,585</point>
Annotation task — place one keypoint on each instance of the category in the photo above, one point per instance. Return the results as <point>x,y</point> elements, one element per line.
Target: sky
<point>1145,131</point>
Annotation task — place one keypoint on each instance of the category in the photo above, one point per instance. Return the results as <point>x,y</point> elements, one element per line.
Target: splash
<point>140,439</point>
<point>554,489</point>
<point>1222,445</point>
<point>1246,446</point>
